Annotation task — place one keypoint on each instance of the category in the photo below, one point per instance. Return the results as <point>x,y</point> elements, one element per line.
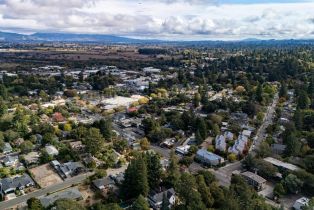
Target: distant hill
<point>107,39</point>
<point>5,36</point>
<point>64,37</point>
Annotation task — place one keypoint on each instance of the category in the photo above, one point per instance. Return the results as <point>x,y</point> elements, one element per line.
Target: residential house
<point>72,194</point>
<point>51,150</point>
<point>155,198</point>
<point>7,148</point>
<point>239,145</point>
<point>31,158</point>
<point>104,185</point>
<point>247,133</point>
<point>220,143</point>
<point>169,142</point>
<point>77,146</point>
<point>228,136</point>
<point>208,158</point>
<point>9,185</point>
<point>68,169</point>
<point>183,150</point>
<point>300,203</point>
<point>10,161</point>
<point>118,178</point>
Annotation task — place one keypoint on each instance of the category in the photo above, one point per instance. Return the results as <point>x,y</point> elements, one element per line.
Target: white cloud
<point>180,19</point>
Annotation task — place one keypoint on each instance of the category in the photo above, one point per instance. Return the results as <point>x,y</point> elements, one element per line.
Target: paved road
<point>223,174</point>
<point>53,188</point>
<point>268,120</point>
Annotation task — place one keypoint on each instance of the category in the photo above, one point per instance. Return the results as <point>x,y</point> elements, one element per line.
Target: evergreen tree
<point>293,145</point>
<point>67,204</point>
<point>3,91</point>
<point>279,190</point>
<point>204,191</point>
<point>94,141</point>
<point>298,121</point>
<point>199,139</point>
<point>259,93</point>
<point>105,127</point>
<point>140,204</point>
<point>201,127</point>
<point>283,91</point>
<point>310,89</point>
<point>190,198</point>
<point>173,170</point>
<point>3,108</point>
<point>154,169</point>
<point>303,100</point>
<point>34,204</point>
<point>135,179</point>
<point>196,100</point>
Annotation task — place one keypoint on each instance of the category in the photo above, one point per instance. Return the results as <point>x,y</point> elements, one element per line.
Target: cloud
<point>179,19</point>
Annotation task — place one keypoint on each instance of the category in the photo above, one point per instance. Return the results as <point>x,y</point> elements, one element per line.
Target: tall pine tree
<point>135,179</point>
<point>154,169</point>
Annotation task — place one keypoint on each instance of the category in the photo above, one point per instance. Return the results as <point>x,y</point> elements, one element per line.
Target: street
<point>268,119</point>
<point>223,174</point>
<point>42,192</point>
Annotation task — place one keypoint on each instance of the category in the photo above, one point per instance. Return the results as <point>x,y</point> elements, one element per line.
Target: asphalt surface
<point>42,192</point>
<point>268,120</point>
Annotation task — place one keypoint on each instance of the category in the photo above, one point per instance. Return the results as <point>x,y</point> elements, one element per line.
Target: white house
<point>300,203</point>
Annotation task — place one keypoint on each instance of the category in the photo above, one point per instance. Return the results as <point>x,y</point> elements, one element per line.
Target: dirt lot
<point>45,176</point>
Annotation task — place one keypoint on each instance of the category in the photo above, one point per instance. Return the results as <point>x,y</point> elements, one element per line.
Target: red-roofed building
<point>58,117</point>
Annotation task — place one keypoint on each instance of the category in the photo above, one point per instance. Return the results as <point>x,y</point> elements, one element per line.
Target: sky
<point>163,19</point>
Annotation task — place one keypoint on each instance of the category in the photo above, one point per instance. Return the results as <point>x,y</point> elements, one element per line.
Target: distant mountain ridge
<point>98,38</point>
<point>64,37</point>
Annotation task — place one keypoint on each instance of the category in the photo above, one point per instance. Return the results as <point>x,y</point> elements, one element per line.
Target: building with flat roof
<point>282,165</point>
<point>254,180</point>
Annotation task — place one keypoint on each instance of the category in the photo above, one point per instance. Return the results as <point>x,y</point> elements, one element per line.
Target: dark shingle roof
<point>16,182</point>
<point>157,197</point>
<point>103,182</point>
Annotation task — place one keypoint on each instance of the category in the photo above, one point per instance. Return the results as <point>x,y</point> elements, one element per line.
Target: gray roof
<point>7,148</point>
<point>99,183</point>
<point>254,177</point>
<point>281,147</point>
<point>70,167</point>
<point>16,182</point>
<point>208,155</point>
<point>157,197</point>
<point>279,163</point>
<point>72,193</point>
<point>9,159</point>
